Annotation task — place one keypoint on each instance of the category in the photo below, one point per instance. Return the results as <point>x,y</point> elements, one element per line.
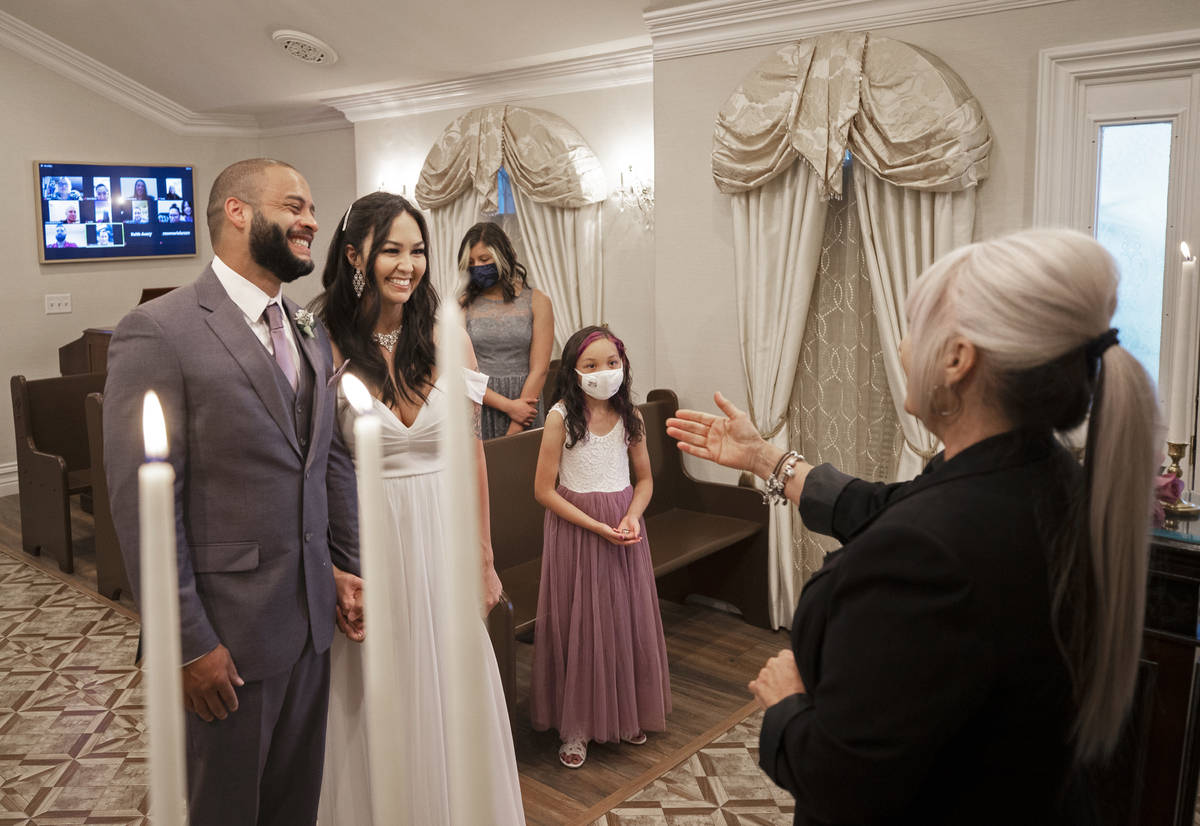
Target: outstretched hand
<point>730,440</point>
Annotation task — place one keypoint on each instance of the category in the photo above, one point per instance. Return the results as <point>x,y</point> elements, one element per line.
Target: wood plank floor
<point>712,656</point>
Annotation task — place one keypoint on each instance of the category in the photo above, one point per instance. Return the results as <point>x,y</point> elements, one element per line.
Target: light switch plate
<point>58,303</point>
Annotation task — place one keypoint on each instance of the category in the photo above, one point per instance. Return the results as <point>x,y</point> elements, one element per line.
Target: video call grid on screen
<point>92,211</point>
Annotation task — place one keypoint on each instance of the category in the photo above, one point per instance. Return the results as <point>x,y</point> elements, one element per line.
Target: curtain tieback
<point>774,431</point>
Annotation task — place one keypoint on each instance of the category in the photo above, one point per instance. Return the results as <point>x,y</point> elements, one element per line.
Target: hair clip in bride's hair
<point>347,218</point>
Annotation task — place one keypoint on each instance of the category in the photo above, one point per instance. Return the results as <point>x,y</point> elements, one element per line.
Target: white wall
<point>49,118</point>
<point>996,55</point>
<point>326,159</point>
<point>618,124</point>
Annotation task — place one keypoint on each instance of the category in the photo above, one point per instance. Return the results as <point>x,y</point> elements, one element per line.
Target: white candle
<point>160,622</point>
<point>460,596</point>
<point>386,736</point>
<point>1179,409</point>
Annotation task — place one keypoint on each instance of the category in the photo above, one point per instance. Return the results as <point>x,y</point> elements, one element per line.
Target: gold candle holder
<point>1180,508</point>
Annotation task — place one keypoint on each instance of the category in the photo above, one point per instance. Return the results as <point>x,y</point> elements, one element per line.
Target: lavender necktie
<point>283,351</point>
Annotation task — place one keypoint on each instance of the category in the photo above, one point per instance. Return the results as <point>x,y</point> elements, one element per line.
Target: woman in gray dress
<point>511,326</point>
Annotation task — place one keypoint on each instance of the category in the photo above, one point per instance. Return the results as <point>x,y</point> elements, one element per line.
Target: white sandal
<point>638,739</point>
<point>572,748</point>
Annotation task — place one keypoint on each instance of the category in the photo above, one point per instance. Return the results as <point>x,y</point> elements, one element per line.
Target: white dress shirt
<point>253,303</point>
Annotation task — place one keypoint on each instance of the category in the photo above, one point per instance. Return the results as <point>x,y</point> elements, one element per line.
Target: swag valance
<point>546,160</point>
<point>901,112</point>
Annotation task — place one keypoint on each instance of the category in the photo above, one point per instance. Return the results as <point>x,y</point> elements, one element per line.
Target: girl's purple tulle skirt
<point>599,657</point>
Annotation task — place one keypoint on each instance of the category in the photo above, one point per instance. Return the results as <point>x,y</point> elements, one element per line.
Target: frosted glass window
<point>1131,223</point>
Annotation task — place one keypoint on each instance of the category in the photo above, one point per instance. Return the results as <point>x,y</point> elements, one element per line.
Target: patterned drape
<point>911,124</point>
<point>899,110</point>
<point>841,409</point>
<point>546,160</point>
<point>558,184</point>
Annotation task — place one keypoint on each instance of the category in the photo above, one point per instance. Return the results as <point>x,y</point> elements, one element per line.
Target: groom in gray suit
<point>264,499</point>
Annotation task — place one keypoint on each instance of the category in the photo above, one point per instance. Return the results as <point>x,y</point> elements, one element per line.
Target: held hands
<point>349,612</point>
<point>729,440</point>
<point>208,685</point>
<point>630,527</point>
<point>513,428</point>
<point>626,533</point>
<point>778,679</point>
<point>522,411</point>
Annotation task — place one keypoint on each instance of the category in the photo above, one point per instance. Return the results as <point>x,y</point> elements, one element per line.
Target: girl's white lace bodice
<point>595,464</point>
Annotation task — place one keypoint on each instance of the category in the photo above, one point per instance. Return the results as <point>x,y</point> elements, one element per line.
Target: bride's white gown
<point>412,470</point>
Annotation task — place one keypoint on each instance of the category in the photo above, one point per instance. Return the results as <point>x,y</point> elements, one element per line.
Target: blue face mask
<point>485,275</point>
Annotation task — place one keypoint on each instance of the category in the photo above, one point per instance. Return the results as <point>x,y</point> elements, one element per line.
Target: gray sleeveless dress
<point>501,333</point>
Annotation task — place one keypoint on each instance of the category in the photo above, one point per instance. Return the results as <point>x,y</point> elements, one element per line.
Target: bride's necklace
<point>387,340</point>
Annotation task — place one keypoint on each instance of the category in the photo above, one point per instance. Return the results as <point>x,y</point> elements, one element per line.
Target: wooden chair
<point>111,578</point>
<point>705,537</point>
<point>53,463</point>
<point>549,394</point>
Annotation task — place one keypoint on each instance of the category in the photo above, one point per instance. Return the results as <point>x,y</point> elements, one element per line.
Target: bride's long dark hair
<point>351,320</point>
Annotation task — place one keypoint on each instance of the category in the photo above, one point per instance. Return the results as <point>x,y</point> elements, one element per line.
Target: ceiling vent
<point>305,47</point>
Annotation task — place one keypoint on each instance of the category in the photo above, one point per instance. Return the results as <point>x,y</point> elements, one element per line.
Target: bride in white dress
<point>381,287</point>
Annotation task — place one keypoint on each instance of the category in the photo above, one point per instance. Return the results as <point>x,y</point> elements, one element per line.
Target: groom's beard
<point>269,249</point>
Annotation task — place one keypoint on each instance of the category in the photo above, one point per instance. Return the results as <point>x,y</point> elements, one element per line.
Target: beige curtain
<point>558,185</point>
<point>904,231</point>
<point>447,226</point>
<point>565,261</point>
<point>545,157</point>
<point>906,118</point>
<point>901,112</point>
<point>841,408</point>
<point>777,231</point>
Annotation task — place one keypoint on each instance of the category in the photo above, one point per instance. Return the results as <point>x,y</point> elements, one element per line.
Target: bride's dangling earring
<point>359,282</point>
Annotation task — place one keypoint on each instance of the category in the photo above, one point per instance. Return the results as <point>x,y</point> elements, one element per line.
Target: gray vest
<point>300,399</point>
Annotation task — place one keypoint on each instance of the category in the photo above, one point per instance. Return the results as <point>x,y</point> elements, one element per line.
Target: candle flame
<point>356,393</point>
<point>154,428</point>
<point>1185,251</point>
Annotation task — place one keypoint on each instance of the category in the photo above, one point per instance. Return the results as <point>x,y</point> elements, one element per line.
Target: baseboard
<point>8,478</point>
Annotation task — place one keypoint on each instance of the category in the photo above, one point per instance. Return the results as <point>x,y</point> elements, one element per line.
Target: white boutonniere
<point>305,321</point>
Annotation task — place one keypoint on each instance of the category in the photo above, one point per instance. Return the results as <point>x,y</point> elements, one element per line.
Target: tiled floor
<point>72,746</point>
<point>719,784</point>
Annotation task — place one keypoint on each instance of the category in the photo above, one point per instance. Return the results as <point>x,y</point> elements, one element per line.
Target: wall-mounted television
<point>90,211</point>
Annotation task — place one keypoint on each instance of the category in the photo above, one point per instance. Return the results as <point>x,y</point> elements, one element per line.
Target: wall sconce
<point>635,195</point>
<point>402,191</point>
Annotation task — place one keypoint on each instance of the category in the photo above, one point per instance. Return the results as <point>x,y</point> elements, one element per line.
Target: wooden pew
<point>52,459</point>
<point>705,538</point>
<point>111,578</point>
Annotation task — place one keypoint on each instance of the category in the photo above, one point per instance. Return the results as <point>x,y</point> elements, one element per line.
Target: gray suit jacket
<point>258,518</point>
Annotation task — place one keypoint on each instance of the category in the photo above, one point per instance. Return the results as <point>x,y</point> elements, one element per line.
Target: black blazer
<point>936,692</point>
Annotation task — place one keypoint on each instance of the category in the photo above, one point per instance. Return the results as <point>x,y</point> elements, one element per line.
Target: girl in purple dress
<point>599,657</point>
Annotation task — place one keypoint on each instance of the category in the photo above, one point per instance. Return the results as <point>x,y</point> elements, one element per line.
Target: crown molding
<point>90,73</point>
<point>712,26</point>
<point>319,118</point>
<point>625,67</point>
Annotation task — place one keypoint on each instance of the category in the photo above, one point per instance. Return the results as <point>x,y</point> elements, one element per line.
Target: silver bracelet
<point>777,482</point>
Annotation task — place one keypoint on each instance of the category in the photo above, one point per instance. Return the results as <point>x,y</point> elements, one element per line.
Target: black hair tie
<point>1095,348</point>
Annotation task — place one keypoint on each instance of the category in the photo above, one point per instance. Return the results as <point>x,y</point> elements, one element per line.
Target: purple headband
<point>603,334</point>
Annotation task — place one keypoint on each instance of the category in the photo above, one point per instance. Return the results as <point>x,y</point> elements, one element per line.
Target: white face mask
<point>603,384</point>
